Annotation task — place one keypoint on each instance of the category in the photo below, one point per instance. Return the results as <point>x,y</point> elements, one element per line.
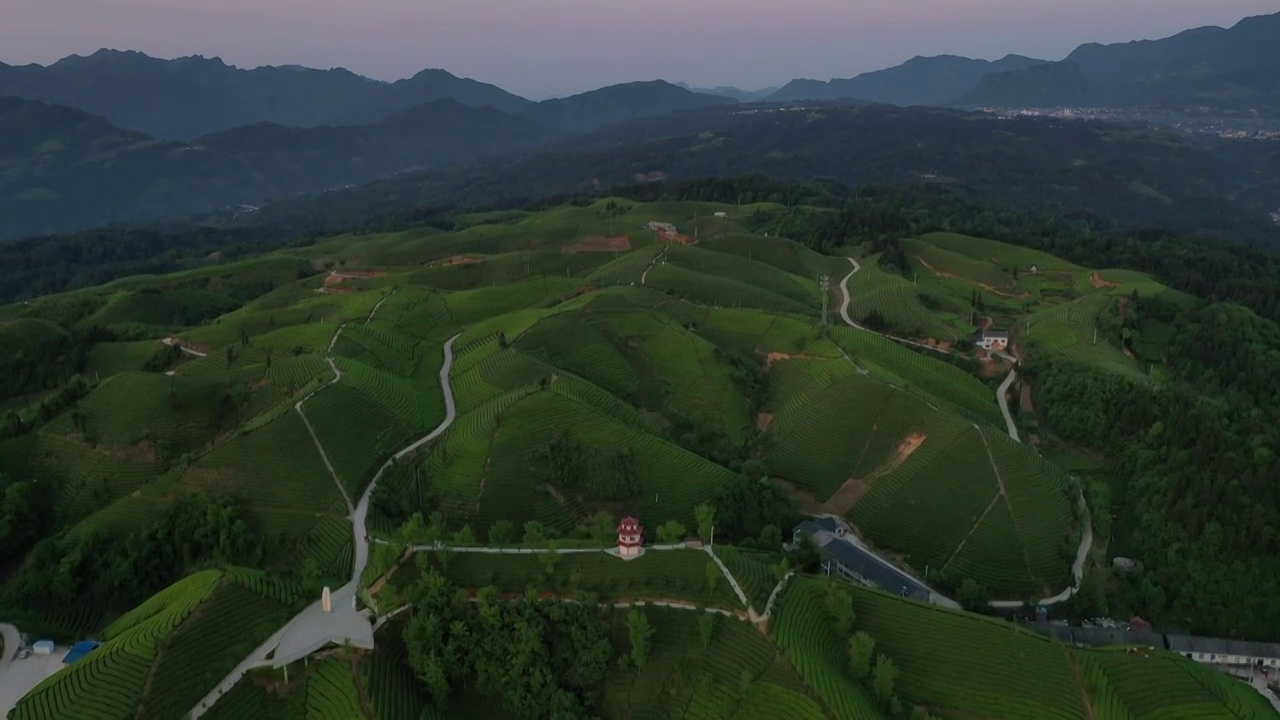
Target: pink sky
<point>542,47</point>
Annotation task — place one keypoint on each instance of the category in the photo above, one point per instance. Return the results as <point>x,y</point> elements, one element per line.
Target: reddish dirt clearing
<point>1096,280</point>
<point>600,243</point>
<point>843,500</point>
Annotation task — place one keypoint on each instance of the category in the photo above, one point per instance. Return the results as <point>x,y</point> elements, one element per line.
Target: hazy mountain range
<point>63,169</point>
<point>1231,69</point>
<point>120,136</point>
<point>918,81</point>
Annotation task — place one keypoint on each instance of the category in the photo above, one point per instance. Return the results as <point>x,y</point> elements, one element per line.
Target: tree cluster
<point>1194,467</point>
<point>540,659</point>
<point>98,569</point>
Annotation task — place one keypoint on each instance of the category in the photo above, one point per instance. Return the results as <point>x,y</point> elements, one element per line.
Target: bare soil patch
<point>600,243</point>
<point>934,270</point>
<point>1025,401</point>
<point>763,421</point>
<point>1020,296</point>
<point>1096,280</point>
<point>204,479</point>
<point>985,322</point>
<point>335,278</point>
<point>843,500</point>
<point>990,367</point>
<point>773,357</point>
<point>460,260</point>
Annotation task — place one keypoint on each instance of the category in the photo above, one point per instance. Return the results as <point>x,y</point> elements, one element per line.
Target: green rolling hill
<point>232,413</point>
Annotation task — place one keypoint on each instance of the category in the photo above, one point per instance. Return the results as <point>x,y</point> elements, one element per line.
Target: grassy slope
<point>163,656</point>
<point>965,665</point>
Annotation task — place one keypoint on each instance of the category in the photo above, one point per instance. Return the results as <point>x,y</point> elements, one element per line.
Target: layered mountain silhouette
<point>1226,69</point>
<point>743,96</point>
<point>188,97</point>
<point>618,103</point>
<point>63,169</point>
<point>918,81</point>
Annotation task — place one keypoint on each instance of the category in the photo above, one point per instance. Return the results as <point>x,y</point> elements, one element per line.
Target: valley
<point>386,416</point>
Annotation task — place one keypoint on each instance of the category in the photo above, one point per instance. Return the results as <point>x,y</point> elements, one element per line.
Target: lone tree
<point>886,677</point>
<point>641,634</point>
<point>840,605</point>
<point>707,627</point>
<point>603,528</point>
<point>465,536</point>
<point>973,597</point>
<point>549,559</point>
<point>713,575</point>
<point>534,533</point>
<point>501,533</point>
<point>671,532</point>
<point>706,515</point>
<point>862,648</point>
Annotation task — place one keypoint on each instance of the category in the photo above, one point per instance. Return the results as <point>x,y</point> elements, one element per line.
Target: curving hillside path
<point>1086,539</point>
<point>175,341</point>
<point>313,628</point>
<point>1002,397</point>
<point>644,276</point>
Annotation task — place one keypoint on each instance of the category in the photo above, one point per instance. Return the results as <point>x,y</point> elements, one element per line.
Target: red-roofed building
<point>629,537</point>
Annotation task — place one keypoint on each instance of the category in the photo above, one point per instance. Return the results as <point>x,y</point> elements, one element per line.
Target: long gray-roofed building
<point>843,558</point>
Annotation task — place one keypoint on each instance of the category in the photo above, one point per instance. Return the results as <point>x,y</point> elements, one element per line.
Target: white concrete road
<point>18,677</point>
<point>1002,397</point>
<point>313,628</point>
<point>1086,540</point>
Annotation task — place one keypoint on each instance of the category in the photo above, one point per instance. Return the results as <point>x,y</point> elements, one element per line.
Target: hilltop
<point>185,98</point>
<point>1111,175</point>
<point>919,81</point>
<point>66,170</point>
<point>1228,69</point>
<point>367,410</point>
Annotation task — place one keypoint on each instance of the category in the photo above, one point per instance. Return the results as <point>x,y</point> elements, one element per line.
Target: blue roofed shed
<point>79,650</point>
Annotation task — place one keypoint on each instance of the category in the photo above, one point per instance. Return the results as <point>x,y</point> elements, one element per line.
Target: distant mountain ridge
<point>918,81</point>
<point>743,96</point>
<point>1236,68</point>
<point>63,169</point>
<point>185,98</point>
<point>618,103</point>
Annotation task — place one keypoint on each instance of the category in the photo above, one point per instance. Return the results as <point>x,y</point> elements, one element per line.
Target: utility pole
<point>825,283</point>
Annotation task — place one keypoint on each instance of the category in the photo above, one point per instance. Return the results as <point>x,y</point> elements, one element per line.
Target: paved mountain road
<point>1086,540</point>
<point>314,628</point>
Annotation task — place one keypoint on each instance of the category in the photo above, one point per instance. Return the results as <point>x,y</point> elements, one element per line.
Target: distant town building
<point>661,227</point>
<point>1138,633</point>
<point>844,559</point>
<point>629,538</point>
<point>993,340</point>
<point>722,214</point>
<point>1217,651</point>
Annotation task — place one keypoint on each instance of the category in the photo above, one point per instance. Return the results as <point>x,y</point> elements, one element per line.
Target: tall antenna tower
<point>825,283</point>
